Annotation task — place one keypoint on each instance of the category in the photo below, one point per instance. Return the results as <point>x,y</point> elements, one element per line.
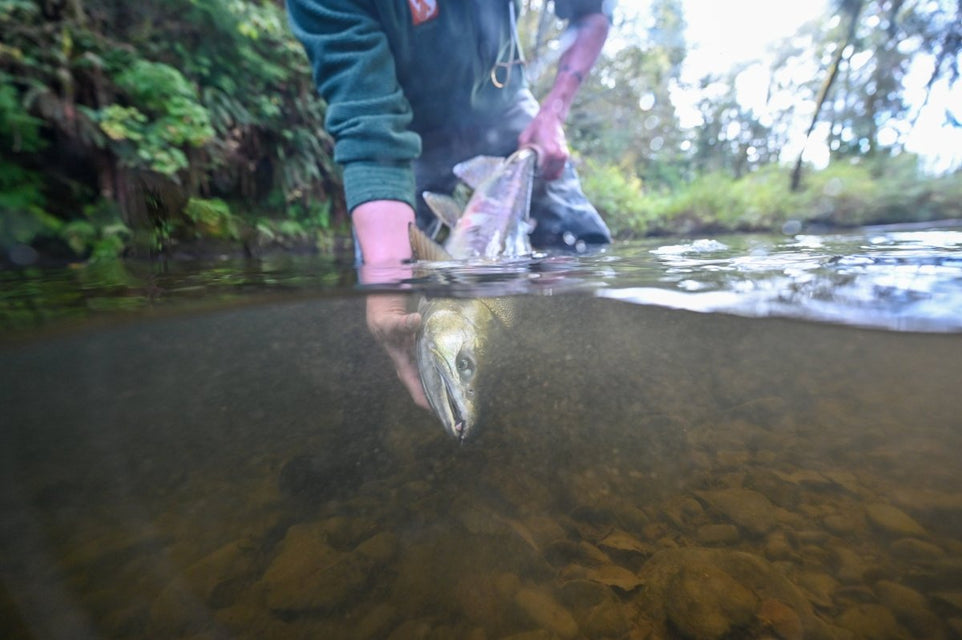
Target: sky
<point>721,34</point>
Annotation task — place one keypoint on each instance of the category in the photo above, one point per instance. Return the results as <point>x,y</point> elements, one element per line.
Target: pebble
<point>854,594</point>
<point>945,575</point>
<point>593,523</point>
<point>913,549</point>
<point>807,479</point>
<point>708,604</point>
<point>871,621</point>
<point>846,480</point>
<point>910,608</point>
<point>812,536</point>
<point>584,594</point>
<point>850,567</point>
<point>780,619</point>
<point>376,622</point>
<point>621,541</point>
<point>950,600</point>
<point>563,551</point>
<point>544,529</point>
<point>815,555</point>
<point>479,598</point>
<point>748,509</point>
<point>844,524</point>
<point>898,597</point>
<point>780,491</point>
<point>821,588</point>
<point>545,611</point>
<point>593,553</point>
<point>614,576</point>
<point>893,520</point>
<point>207,576</point>
<point>606,620</point>
<point>777,546</point>
<point>683,512</point>
<point>719,590</point>
<point>711,534</point>
<point>633,517</point>
<point>308,574</point>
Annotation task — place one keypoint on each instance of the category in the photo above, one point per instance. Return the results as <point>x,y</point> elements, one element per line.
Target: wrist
<point>556,108</point>
<point>381,231</point>
<point>381,228</point>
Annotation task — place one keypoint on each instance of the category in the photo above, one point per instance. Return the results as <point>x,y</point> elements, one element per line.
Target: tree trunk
<point>854,7</point>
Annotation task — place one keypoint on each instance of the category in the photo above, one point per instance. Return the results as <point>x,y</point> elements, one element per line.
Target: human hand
<point>546,133</point>
<point>394,329</point>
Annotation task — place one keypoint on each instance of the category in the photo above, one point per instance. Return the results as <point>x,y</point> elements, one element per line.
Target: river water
<point>734,437</point>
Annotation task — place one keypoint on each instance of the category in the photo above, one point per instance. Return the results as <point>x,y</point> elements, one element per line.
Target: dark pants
<point>564,218</point>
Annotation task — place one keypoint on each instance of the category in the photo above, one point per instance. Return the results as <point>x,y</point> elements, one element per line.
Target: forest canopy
<point>139,127</point>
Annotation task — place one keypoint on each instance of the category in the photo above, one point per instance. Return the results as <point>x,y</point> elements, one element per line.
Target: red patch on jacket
<point>423,10</point>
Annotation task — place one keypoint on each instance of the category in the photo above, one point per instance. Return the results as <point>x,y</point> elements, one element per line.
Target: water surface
<point>704,438</point>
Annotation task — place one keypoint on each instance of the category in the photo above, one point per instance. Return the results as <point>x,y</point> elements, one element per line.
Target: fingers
<point>553,167</point>
<point>547,138</point>
<point>410,323</point>
<point>388,318</point>
<point>408,375</point>
<point>551,159</point>
<point>394,328</point>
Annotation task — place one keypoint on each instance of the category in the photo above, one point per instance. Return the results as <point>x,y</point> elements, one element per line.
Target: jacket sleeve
<point>367,113</point>
<point>573,9</point>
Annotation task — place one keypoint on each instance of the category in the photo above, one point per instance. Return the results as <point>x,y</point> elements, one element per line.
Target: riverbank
<point>844,195</point>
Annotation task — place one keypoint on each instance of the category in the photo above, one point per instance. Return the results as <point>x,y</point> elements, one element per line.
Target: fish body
<point>494,225</point>
<point>453,339</point>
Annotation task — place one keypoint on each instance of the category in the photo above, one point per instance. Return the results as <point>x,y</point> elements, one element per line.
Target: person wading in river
<point>415,86</point>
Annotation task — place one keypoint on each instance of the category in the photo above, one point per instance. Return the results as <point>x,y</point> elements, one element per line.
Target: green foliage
<point>163,116</point>
<point>79,235</point>
<point>19,131</point>
<point>883,190</point>
<point>99,235</point>
<point>153,85</point>
<point>617,194</point>
<point>843,194</point>
<point>11,8</point>
<point>211,99</point>
<point>22,207</point>
<point>212,218</point>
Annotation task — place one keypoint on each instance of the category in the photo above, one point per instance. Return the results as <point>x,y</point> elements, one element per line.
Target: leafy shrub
<point>212,98</point>
<point>162,116</point>
<point>617,195</point>
<point>19,131</point>
<point>22,207</point>
<point>212,218</point>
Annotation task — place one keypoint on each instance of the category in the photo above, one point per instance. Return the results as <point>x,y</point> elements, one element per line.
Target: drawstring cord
<point>514,47</point>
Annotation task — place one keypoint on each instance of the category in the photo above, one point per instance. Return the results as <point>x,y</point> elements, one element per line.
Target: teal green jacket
<point>391,70</point>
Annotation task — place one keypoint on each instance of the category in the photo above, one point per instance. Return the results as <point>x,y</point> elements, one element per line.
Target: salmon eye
<point>465,366</point>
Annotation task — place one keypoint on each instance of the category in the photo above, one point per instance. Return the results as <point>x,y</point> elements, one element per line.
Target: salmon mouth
<point>459,426</point>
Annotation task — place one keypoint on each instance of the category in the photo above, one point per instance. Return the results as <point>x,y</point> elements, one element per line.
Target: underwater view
<point>745,436</point>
